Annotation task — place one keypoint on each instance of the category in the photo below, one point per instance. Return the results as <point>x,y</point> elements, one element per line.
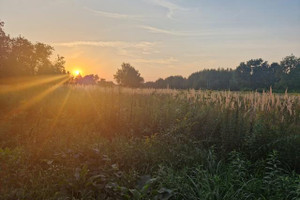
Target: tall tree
<point>254,74</point>
<point>4,48</point>
<point>42,56</point>
<point>289,63</point>
<point>20,57</point>
<point>59,65</point>
<point>290,76</point>
<point>128,76</point>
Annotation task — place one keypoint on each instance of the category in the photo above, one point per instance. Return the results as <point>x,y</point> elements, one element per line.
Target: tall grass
<point>89,142</point>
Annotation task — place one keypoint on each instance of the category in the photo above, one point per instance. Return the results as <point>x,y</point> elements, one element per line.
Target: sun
<point>76,72</point>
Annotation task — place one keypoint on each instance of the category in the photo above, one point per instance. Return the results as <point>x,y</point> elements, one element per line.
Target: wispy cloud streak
<point>123,48</point>
<point>164,31</point>
<point>204,33</point>
<point>177,33</point>
<point>157,61</point>
<point>113,14</point>
<point>171,7</point>
<point>112,44</point>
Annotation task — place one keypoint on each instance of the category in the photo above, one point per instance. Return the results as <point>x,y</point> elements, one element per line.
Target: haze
<point>158,37</point>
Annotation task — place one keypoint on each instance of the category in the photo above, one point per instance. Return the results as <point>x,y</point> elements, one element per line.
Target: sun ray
<point>60,110</point>
<point>92,100</point>
<point>37,98</point>
<point>11,85</point>
<point>49,132</point>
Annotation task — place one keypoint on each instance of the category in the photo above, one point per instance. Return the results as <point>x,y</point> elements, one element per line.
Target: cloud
<point>157,61</point>
<point>171,7</point>
<point>113,44</point>
<point>123,48</point>
<point>169,32</point>
<point>158,30</point>
<point>209,34</point>
<point>113,15</point>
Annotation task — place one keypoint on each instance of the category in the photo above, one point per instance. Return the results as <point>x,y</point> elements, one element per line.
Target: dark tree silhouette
<point>289,63</point>
<point>128,76</point>
<point>290,78</point>
<point>255,74</point>
<point>210,79</point>
<point>90,79</point>
<point>4,47</point>
<point>20,57</point>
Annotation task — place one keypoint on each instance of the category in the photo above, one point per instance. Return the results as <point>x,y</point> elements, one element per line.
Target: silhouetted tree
<point>128,76</point>
<point>42,55</point>
<point>19,57</point>
<point>59,65</point>
<point>105,83</point>
<point>90,79</point>
<point>210,79</point>
<point>290,78</point>
<point>21,60</point>
<point>254,74</point>
<point>289,63</point>
<point>176,82</point>
<point>4,48</point>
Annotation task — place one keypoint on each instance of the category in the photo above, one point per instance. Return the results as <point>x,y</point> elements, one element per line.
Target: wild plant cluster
<point>89,142</point>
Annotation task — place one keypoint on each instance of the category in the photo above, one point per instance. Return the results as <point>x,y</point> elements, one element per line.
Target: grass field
<point>86,142</point>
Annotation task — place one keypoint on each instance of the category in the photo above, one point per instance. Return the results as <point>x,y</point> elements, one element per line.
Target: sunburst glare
<point>76,72</point>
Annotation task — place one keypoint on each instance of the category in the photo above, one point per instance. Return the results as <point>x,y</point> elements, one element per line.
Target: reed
<point>90,142</point>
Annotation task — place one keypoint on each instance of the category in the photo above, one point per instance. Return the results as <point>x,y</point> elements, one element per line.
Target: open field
<point>87,142</point>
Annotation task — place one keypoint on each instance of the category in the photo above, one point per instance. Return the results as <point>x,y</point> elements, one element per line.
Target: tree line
<point>90,79</point>
<point>255,74</point>
<point>20,57</point>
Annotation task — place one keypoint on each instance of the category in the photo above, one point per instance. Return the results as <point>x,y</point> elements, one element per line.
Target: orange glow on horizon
<point>105,69</point>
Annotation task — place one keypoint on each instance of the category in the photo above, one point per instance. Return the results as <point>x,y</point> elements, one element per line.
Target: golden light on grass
<point>67,125</point>
<point>65,99</point>
<point>30,102</point>
<point>21,83</point>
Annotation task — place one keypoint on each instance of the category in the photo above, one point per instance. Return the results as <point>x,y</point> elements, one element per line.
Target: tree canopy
<point>255,74</point>
<point>20,57</point>
<point>128,76</point>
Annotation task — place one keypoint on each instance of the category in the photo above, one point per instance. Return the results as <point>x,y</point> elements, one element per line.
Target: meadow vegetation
<point>61,141</point>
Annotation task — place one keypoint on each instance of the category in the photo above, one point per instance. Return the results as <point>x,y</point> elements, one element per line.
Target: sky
<point>159,38</point>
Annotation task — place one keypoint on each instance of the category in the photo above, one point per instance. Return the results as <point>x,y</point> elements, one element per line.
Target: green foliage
<point>120,143</point>
<point>236,179</point>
